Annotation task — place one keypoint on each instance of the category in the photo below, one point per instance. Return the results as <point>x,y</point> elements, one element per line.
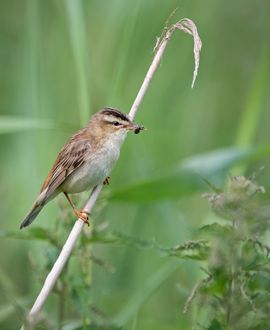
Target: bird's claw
<point>106,181</point>
<point>84,216</point>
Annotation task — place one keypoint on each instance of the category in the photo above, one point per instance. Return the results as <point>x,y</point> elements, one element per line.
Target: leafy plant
<point>235,292</point>
<point>73,288</point>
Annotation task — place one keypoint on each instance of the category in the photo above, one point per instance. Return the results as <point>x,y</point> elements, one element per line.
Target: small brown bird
<point>85,160</point>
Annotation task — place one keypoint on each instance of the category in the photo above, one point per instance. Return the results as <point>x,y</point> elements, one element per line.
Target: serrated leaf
<point>197,250</point>
<point>216,229</point>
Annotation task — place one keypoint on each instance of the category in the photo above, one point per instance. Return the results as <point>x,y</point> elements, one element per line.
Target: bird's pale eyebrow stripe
<point>115,113</point>
<point>111,119</point>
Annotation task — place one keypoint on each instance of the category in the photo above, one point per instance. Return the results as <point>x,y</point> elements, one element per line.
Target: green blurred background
<point>60,61</point>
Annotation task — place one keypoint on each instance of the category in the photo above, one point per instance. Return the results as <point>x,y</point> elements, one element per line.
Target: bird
<point>85,161</point>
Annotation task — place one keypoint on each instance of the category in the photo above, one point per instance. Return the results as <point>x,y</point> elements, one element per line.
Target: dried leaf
<point>188,26</point>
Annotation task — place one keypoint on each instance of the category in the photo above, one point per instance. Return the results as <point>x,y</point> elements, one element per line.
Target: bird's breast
<point>94,170</point>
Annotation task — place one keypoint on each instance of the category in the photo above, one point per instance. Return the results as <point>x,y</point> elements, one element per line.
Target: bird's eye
<point>116,123</point>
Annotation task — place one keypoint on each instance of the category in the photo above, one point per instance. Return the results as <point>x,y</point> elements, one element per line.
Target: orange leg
<point>106,181</point>
<point>83,215</point>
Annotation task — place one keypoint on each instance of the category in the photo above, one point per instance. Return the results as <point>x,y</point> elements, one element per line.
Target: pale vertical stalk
<point>185,25</point>
<point>62,259</point>
<point>148,77</point>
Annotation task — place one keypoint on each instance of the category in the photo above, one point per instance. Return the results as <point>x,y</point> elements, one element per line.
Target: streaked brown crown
<point>115,113</point>
<point>110,120</point>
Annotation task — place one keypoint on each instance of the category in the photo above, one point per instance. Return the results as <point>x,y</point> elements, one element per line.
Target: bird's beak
<point>134,127</point>
<point>130,127</point>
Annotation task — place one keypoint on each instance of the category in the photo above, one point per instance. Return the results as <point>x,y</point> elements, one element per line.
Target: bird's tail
<point>31,216</point>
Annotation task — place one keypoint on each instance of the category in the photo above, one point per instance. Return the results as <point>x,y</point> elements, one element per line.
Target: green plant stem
<point>229,297</point>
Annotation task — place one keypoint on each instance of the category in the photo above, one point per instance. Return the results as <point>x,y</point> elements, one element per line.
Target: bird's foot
<point>83,215</point>
<point>106,181</point>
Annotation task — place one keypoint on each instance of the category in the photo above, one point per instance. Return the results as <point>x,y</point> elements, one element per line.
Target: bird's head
<point>111,121</point>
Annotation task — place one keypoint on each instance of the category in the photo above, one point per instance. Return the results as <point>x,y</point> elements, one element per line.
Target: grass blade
<point>12,124</point>
<point>76,26</point>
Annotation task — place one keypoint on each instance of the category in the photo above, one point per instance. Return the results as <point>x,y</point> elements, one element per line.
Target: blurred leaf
<point>79,326</point>
<point>254,104</point>
<point>8,309</point>
<point>81,294</point>
<point>102,237</point>
<point>31,233</point>
<point>145,292</point>
<point>215,325</point>
<point>122,60</point>
<point>197,250</point>
<point>76,25</point>
<point>11,124</point>
<point>248,124</point>
<point>51,253</point>
<point>261,325</point>
<point>216,229</point>
<point>39,233</point>
<point>259,280</point>
<point>7,282</point>
<point>187,177</point>
<point>191,249</point>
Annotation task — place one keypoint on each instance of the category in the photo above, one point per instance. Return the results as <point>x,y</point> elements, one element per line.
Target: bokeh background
<point>60,61</point>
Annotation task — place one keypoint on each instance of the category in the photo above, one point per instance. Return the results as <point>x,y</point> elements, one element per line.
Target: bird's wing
<point>71,157</point>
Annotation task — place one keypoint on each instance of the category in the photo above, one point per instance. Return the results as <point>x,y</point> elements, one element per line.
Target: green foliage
<point>235,293</point>
<point>197,250</point>
<point>187,177</point>
<point>73,288</point>
<point>61,61</point>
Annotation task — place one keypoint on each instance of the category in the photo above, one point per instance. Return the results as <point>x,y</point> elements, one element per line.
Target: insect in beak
<point>134,127</point>
<point>138,128</point>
